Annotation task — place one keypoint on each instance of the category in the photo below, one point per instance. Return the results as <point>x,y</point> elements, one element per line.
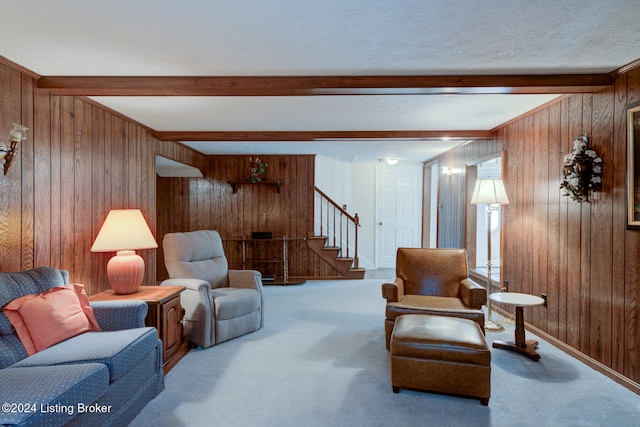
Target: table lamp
<point>489,192</point>
<point>124,231</point>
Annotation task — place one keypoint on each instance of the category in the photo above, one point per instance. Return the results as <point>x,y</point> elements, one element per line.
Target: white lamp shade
<point>489,192</point>
<point>124,229</point>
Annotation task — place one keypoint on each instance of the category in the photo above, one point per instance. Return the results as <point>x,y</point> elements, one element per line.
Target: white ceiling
<point>321,38</point>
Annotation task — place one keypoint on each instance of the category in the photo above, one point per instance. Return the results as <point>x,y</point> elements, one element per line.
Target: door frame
<point>471,211</point>
<point>430,201</point>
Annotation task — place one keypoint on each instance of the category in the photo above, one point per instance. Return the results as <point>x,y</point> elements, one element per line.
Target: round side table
<point>520,345</point>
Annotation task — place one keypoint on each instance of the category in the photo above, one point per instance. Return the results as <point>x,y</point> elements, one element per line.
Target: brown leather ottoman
<point>440,354</point>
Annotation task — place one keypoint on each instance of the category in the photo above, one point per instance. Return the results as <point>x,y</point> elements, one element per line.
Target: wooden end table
<point>520,345</point>
<point>165,314</point>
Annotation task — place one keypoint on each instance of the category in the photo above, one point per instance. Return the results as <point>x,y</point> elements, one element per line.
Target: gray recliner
<point>220,304</point>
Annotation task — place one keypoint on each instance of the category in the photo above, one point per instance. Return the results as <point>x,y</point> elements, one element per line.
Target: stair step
<point>331,255</point>
<point>355,273</point>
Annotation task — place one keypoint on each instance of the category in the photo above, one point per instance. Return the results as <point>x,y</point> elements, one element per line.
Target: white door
<point>398,211</point>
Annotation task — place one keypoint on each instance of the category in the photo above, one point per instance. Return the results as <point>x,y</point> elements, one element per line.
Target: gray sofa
<point>95,378</point>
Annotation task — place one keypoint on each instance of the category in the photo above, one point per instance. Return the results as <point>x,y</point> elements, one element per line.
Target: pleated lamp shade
<point>489,192</point>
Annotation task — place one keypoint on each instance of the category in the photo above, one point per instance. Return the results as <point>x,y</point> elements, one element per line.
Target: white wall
<point>352,184</point>
<point>332,176</point>
<point>363,182</point>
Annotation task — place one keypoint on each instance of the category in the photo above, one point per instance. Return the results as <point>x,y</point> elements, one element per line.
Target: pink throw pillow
<point>42,320</point>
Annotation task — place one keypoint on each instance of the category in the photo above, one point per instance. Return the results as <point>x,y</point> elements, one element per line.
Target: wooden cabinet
<point>165,314</point>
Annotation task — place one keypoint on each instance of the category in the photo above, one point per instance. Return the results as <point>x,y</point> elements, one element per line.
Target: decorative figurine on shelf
<point>582,171</point>
<point>258,169</point>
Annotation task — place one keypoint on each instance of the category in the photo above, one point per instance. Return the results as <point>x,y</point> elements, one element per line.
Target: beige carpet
<point>320,360</point>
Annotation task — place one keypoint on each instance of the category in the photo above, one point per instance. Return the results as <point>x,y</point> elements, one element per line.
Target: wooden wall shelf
<point>234,184</point>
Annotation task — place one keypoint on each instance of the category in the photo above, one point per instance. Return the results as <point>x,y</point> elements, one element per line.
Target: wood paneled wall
<point>580,255</point>
<point>79,161</point>
<point>187,204</point>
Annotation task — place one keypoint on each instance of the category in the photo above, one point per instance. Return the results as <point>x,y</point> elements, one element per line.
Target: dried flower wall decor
<point>582,171</point>
<point>257,170</point>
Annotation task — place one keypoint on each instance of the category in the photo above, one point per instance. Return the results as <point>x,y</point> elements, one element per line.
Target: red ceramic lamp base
<point>125,272</point>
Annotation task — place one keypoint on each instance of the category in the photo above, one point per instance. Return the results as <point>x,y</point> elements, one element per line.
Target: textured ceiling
<point>321,38</point>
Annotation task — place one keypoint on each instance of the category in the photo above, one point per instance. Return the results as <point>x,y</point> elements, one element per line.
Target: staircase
<point>335,238</point>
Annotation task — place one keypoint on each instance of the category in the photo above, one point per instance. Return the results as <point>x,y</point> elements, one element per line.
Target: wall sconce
<point>17,134</point>
<point>446,171</point>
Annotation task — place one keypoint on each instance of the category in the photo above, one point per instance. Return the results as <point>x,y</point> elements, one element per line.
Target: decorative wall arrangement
<point>582,172</point>
<point>258,169</point>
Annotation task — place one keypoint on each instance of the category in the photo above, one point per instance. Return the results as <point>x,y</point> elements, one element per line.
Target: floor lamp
<point>489,192</point>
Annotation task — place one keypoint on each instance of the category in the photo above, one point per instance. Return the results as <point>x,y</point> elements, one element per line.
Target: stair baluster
<point>341,227</point>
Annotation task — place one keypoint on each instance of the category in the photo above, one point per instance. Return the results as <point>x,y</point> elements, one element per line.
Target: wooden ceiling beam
<point>323,85</point>
<point>280,136</point>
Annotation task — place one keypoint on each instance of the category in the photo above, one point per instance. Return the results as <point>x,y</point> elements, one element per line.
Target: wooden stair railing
<point>338,226</point>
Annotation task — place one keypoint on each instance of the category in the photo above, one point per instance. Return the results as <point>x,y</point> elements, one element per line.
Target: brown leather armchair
<point>432,281</point>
